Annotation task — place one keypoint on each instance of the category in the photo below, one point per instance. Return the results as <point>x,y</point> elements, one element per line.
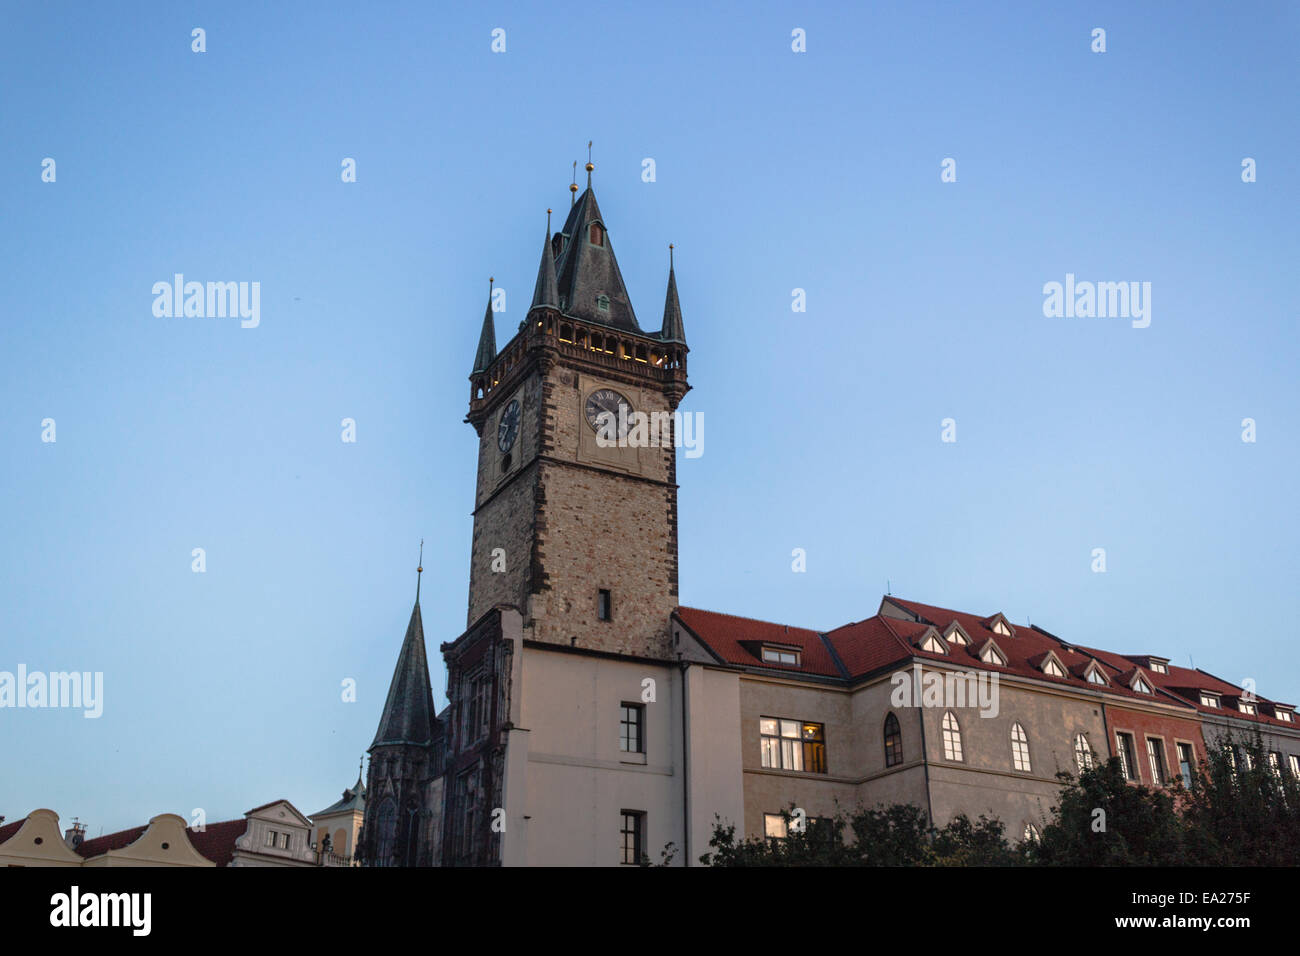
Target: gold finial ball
<point>589,167</point>
<point>548,212</point>
<point>492,279</point>
<point>419,570</point>
<point>573,187</point>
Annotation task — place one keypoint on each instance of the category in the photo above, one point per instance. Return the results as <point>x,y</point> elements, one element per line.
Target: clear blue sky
<point>775,171</point>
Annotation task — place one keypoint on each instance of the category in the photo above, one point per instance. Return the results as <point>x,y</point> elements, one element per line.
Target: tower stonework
<point>580,538</point>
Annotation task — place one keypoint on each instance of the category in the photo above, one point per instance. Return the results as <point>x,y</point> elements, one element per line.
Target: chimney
<point>75,834</point>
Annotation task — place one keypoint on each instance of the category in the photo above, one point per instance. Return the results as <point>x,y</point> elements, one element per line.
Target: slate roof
<point>673,330</point>
<point>354,798</point>
<point>585,271</point>
<point>544,290</point>
<point>408,711</point>
<point>487,341</point>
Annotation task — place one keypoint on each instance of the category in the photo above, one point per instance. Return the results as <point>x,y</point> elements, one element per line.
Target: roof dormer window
<point>1159,668</point>
<point>602,302</point>
<point>934,645</point>
<point>780,655</point>
<point>1247,707</point>
<point>1000,627</point>
<point>1283,714</point>
<point>1052,668</point>
<point>1094,674</point>
<point>1140,686</point>
<point>597,235</point>
<point>955,635</point>
<point>1209,700</point>
<point>990,654</point>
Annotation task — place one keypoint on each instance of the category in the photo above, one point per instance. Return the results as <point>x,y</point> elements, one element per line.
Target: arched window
<point>385,833</point>
<point>1031,833</point>
<point>893,741</point>
<point>951,737</point>
<point>1019,748</point>
<point>1082,752</point>
<point>597,235</point>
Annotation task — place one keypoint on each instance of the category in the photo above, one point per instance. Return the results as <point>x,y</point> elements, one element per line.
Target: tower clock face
<point>509,426</point>
<point>607,400</point>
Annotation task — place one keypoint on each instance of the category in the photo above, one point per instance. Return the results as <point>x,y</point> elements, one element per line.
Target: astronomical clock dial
<point>509,427</point>
<point>607,400</point>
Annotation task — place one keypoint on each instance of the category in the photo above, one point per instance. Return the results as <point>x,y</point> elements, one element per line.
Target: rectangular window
<point>774,655</point>
<point>1209,700</point>
<point>270,838</point>
<point>1127,758</point>
<point>1246,707</point>
<point>1185,764</point>
<point>774,827</point>
<point>1156,755</point>
<point>1294,763</point>
<point>1283,714</point>
<point>1275,763</point>
<point>284,841</point>
<point>632,834</point>
<point>604,610</point>
<point>632,728</point>
<point>792,744</point>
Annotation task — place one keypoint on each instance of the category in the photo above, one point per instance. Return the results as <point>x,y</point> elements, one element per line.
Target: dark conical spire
<point>673,330</point>
<point>544,292</point>
<point>408,712</point>
<point>487,339</point>
<point>588,279</point>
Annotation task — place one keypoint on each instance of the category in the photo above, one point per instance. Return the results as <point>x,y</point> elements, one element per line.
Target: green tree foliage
<point>1239,811</point>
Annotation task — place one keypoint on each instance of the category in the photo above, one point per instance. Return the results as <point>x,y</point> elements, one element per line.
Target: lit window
<point>792,745</point>
<point>1031,833</point>
<point>1275,763</point>
<point>1053,669</point>
<point>951,737</point>
<point>1159,668</point>
<point>933,645</point>
<point>893,742</point>
<point>1246,707</point>
<point>1082,752</point>
<point>1156,757</point>
<point>1019,748</point>
<point>1209,700</point>
<point>1001,628</point>
<point>1095,676</point>
<point>955,636</point>
<point>1282,714</point>
<point>1294,763</point>
<point>774,826</point>
<point>1140,686</point>
<point>632,833</point>
<point>632,728</point>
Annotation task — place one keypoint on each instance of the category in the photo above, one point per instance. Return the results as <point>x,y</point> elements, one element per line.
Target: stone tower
<point>575,515</point>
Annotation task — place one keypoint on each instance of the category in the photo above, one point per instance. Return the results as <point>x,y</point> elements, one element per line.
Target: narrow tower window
<point>604,609</point>
<point>597,235</point>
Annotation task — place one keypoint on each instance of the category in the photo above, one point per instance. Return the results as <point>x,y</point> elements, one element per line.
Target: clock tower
<point>575,513</point>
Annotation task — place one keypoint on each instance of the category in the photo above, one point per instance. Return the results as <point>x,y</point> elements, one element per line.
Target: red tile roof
<point>109,841</point>
<point>738,640</point>
<point>883,641</point>
<point>216,842</point>
<point>9,829</point>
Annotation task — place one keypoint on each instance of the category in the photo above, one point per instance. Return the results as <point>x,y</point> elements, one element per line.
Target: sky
<point>775,171</point>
